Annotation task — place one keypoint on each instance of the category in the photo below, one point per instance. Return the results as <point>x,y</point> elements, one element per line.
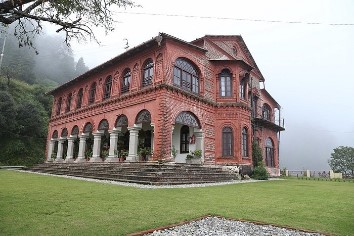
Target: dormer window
<point>225,83</point>
<point>185,76</point>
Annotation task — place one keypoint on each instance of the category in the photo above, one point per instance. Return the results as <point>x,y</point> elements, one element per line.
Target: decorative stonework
<point>187,118</point>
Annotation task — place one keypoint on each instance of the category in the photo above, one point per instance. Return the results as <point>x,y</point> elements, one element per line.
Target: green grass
<point>43,205</point>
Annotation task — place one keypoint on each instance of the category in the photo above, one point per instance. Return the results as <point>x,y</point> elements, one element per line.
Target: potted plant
<point>174,152</point>
<point>195,157</point>
<point>122,155</point>
<point>144,152</point>
<point>104,154</point>
<point>88,155</point>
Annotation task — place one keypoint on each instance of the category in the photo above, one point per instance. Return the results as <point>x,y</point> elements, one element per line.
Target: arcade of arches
<point>123,143</point>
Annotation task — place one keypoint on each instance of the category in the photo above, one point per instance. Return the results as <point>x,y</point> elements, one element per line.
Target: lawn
<point>33,204</point>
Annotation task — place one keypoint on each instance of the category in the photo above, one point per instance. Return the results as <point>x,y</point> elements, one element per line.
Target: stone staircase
<point>142,173</point>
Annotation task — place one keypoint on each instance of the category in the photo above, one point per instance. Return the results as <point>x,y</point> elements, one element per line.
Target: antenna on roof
<point>126,43</point>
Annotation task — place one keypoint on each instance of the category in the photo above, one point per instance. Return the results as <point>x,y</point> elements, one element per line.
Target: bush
<point>260,172</point>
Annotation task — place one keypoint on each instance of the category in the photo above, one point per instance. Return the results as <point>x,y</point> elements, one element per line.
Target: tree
<point>80,67</point>
<point>74,17</point>
<point>257,157</point>
<point>342,160</point>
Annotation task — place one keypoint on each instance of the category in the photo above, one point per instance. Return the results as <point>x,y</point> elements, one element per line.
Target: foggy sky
<point>308,67</point>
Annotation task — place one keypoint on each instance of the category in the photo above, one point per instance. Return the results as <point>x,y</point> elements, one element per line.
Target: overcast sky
<point>309,68</point>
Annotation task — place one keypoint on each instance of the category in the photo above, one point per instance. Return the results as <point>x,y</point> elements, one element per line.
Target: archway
<point>145,135</point>
<point>186,136</point>
<point>104,145</point>
<point>123,137</point>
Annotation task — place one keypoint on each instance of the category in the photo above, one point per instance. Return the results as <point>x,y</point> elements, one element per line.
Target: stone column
<point>50,150</point>
<point>199,141</point>
<point>133,143</point>
<point>60,150</point>
<point>172,157</point>
<point>113,139</point>
<point>82,147</point>
<point>96,150</point>
<point>69,155</point>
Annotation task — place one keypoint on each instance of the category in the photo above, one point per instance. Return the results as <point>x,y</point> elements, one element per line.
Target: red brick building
<point>171,97</point>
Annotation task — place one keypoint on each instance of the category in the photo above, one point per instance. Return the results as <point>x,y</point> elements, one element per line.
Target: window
<point>244,142</point>
<point>79,98</point>
<point>126,81</point>
<point>148,73</point>
<point>266,112</point>
<point>59,106</point>
<point>92,93</point>
<point>227,142</point>
<point>107,88</point>
<point>225,83</point>
<point>254,106</point>
<point>185,76</point>
<point>68,102</point>
<point>243,89</point>
<point>184,139</point>
<point>269,153</point>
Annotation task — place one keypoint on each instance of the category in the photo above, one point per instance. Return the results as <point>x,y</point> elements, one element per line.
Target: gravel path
<point>215,226</point>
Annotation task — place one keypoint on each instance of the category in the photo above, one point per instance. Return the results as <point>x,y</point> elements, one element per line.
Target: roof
<point>270,96</point>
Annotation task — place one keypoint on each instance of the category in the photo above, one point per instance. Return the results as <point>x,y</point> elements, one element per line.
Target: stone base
<point>112,159</point>
<point>59,160</point>
<point>49,160</point>
<point>69,160</point>
<point>131,158</point>
<point>80,160</point>
<point>95,159</point>
<point>194,161</point>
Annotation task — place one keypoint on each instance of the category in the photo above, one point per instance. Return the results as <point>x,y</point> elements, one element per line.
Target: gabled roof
<point>265,92</point>
<point>226,50</point>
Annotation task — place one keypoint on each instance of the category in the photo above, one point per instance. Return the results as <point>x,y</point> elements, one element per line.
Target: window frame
<point>92,93</point>
<point>243,89</point>
<point>126,80</point>
<point>269,151</point>
<point>107,87</point>
<point>185,76</point>
<point>80,95</point>
<point>184,139</point>
<point>244,142</point>
<point>148,73</point>
<point>227,142</point>
<point>68,102</point>
<point>225,83</point>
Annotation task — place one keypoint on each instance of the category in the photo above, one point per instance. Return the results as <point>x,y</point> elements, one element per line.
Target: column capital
<point>134,128</point>
<point>62,139</point>
<point>72,137</point>
<point>84,135</point>
<point>98,133</point>
<point>115,130</point>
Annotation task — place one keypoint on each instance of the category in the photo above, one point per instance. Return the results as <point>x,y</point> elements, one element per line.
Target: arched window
<point>266,114</point>
<point>126,81</point>
<point>148,72</point>
<point>184,139</point>
<point>227,142</point>
<point>60,100</point>
<point>244,142</point>
<point>185,76</point>
<point>107,88</point>
<point>92,93</point>
<point>79,98</point>
<point>225,83</point>
<point>243,89</point>
<point>68,102</point>
<point>269,153</point>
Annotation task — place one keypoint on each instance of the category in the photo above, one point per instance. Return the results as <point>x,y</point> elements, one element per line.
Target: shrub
<point>260,172</point>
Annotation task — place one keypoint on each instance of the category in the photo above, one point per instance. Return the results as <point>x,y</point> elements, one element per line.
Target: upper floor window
<point>225,83</point>
<point>126,81</point>
<point>79,98</point>
<point>148,73</point>
<point>269,153</point>
<point>107,88</point>
<point>92,93</point>
<point>266,112</point>
<point>60,100</point>
<point>243,88</point>
<point>227,142</point>
<point>244,142</point>
<point>68,102</point>
<point>185,75</point>
<point>184,139</point>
